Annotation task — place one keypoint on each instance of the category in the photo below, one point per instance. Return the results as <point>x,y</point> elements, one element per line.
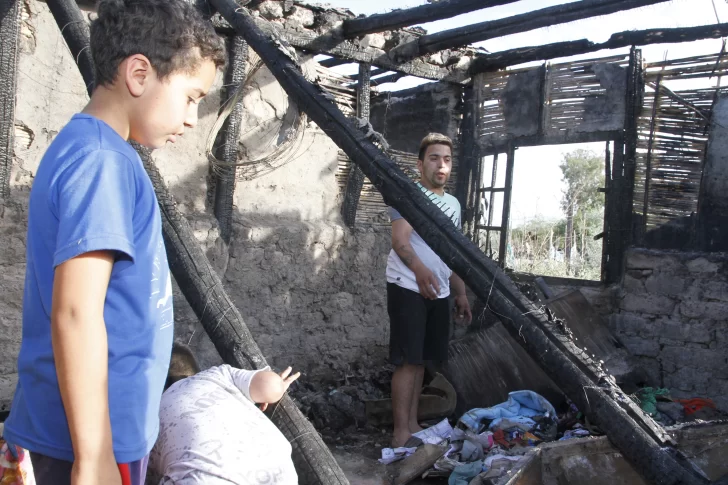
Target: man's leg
<point>407,316</point>
<point>403,381</point>
<point>414,426</point>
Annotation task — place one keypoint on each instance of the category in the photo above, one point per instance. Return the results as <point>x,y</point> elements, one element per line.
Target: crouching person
<point>211,431</point>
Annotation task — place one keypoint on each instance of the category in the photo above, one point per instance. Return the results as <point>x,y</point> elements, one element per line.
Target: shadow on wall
<point>311,292</point>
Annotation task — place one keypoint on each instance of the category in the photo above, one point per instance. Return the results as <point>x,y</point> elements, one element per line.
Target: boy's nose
<point>191,120</point>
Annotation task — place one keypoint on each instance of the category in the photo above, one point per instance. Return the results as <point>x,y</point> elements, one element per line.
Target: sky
<point>537,180</point>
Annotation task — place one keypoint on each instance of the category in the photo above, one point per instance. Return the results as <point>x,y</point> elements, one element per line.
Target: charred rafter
<point>511,57</point>
<point>396,19</point>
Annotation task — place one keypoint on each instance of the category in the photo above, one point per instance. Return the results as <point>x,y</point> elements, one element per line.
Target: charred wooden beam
<point>205,293</point>
<point>9,41</point>
<point>536,19</point>
<point>334,61</point>
<point>511,57</point>
<point>334,45</point>
<point>75,30</point>
<point>488,282</point>
<point>355,182</point>
<point>225,175</point>
<point>392,78</point>
<point>372,73</point>
<point>396,19</point>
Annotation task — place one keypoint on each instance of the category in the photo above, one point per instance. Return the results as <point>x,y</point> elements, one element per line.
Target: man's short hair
<point>182,365</point>
<point>433,139</point>
<point>172,34</point>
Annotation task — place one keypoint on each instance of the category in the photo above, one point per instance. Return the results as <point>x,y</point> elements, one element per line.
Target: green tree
<point>583,172</point>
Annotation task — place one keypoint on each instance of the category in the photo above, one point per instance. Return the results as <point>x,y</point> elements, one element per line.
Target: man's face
<point>436,166</point>
<point>168,107</point>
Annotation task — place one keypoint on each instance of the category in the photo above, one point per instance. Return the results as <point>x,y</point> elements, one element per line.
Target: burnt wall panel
<point>522,103</point>
<point>405,117</point>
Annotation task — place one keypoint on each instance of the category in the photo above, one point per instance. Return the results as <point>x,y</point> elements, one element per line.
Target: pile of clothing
<point>488,442</point>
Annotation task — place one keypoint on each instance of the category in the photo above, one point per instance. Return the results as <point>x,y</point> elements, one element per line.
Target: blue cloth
<point>92,193</point>
<point>520,407</point>
<point>462,474</point>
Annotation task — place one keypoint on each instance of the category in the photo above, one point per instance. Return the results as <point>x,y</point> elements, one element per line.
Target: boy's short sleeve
<point>93,199</point>
<point>394,214</point>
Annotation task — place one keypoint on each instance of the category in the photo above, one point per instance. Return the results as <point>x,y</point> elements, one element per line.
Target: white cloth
<point>212,432</point>
<point>398,273</point>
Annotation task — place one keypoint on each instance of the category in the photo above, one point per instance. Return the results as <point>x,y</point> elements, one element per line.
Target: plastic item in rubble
<point>390,455</point>
<point>434,435</point>
<point>575,433</point>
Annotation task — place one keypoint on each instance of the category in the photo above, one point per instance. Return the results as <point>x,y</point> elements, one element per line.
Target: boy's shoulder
<point>84,134</point>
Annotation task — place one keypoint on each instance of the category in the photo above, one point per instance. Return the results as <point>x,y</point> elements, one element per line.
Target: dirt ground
<point>357,453</point>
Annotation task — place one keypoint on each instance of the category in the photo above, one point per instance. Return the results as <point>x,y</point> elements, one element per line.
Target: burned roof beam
<point>536,19</point>
<point>396,19</point>
<point>375,72</point>
<point>481,274</point>
<point>335,61</point>
<point>511,57</point>
<point>332,44</point>
<point>392,78</point>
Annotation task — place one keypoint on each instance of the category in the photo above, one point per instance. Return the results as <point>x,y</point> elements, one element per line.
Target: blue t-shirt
<point>92,193</point>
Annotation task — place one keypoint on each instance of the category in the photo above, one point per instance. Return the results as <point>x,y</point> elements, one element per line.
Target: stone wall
<point>671,316</point>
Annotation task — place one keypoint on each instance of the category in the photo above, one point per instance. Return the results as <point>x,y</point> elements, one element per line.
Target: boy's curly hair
<point>172,34</point>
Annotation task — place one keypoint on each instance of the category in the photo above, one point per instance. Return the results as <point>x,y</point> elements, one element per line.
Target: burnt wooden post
<point>650,147</point>
<point>635,96</point>
<point>468,164</point>
<point>545,17</point>
<point>608,201</point>
<point>9,40</point>
<point>487,281</point>
<point>506,217</point>
<point>355,182</point>
<point>444,9</point>
<point>493,176</point>
<point>225,175</point>
<point>205,293</point>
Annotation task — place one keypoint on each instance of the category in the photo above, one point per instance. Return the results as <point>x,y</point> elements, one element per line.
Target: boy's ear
<point>137,72</point>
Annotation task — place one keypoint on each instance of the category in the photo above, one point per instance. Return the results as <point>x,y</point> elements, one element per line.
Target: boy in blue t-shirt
<point>97,304</point>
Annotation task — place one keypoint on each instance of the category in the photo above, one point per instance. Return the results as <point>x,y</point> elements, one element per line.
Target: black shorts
<point>419,328</point>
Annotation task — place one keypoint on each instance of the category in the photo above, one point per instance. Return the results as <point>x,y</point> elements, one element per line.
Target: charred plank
<point>536,19</point>
<point>355,182</point>
<point>9,33</point>
<point>227,151</point>
<point>511,57</point>
<point>396,19</point>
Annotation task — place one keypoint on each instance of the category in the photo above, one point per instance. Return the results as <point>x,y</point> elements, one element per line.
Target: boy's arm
<point>426,281</point>
<point>80,350</point>
<point>267,386</point>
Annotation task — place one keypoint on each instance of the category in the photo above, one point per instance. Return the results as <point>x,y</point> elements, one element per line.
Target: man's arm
<point>426,281</point>
<point>462,306</point>
<point>80,350</point>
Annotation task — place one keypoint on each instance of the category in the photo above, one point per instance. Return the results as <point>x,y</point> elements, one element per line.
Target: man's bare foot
<point>400,438</point>
<point>415,427</point>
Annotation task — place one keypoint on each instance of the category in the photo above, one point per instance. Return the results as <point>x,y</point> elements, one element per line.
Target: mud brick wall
<point>672,314</point>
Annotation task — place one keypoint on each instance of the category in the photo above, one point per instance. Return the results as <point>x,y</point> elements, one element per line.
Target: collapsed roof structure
<point>613,112</point>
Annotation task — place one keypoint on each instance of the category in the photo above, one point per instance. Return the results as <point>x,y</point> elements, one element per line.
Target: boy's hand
<point>96,472</point>
<point>287,379</point>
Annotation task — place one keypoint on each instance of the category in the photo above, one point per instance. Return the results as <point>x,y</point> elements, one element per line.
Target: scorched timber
<point>524,321</point>
<point>396,19</point>
<point>545,17</point>
<point>512,57</point>
<point>205,293</point>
